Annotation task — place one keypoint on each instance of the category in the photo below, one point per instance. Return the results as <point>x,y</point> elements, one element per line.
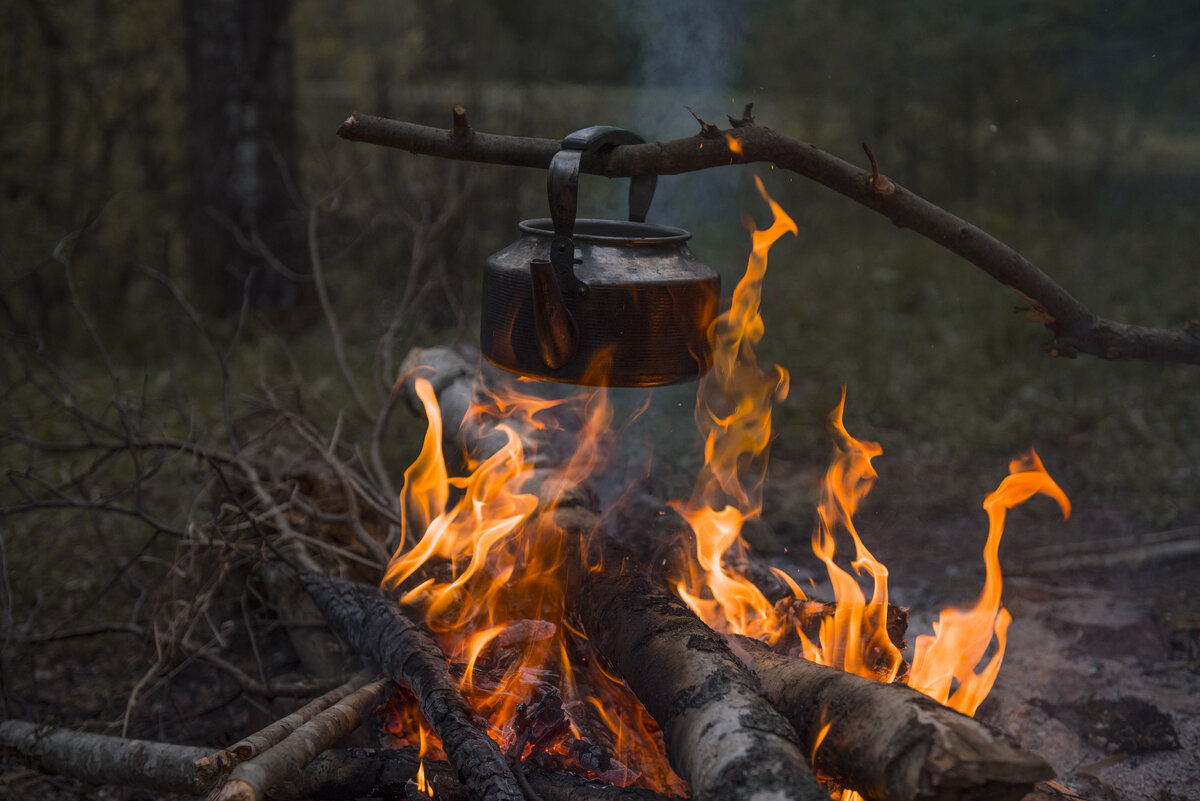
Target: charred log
<point>377,627</point>
<point>887,741</point>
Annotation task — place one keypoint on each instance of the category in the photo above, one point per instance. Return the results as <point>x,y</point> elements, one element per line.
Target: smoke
<point>688,54</point>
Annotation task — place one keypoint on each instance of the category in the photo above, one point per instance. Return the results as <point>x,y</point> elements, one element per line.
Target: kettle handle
<point>562,186</point>
<point>563,182</point>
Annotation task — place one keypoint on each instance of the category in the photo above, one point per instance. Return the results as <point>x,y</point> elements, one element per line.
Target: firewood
<point>376,626</point>
<point>888,741</point>
<point>101,759</point>
<point>721,735</point>
<point>216,766</point>
<point>336,774</point>
<point>251,780</point>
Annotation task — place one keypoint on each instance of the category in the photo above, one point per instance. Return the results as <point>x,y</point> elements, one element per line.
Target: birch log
<point>887,741</point>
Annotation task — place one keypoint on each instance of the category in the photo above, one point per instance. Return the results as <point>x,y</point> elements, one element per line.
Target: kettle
<point>600,302</point>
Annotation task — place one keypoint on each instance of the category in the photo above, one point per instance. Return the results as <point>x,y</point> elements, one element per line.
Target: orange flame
<point>962,636</point>
<point>486,567</point>
<point>733,413</point>
<point>855,638</point>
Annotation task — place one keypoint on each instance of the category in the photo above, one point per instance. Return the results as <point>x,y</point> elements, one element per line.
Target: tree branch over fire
<point>1075,328</point>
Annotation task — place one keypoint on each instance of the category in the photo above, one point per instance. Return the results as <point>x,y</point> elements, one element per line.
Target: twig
<point>250,780</point>
<point>216,766</point>
<point>335,331</point>
<point>1075,328</point>
<point>372,545</point>
<point>1128,553</point>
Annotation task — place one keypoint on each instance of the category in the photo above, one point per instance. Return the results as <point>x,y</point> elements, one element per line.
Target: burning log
<point>376,626</point>
<point>888,741</point>
<point>720,733</point>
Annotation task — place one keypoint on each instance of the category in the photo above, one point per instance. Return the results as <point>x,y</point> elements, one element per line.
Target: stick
<point>1129,553</point>
<point>1075,328</point>
<point>100,759</point>
<point>251,780</point>
<point>215,767</point>
<point>375,626</point>
<point>887,741</point>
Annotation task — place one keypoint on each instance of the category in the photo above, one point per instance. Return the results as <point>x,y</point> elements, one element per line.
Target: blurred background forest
<point>1067,129</point>
<point>186,248</point>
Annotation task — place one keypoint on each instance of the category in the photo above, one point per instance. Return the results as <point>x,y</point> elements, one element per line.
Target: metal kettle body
<point>601,302</point>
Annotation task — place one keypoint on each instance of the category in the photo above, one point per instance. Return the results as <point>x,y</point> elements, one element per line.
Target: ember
<point>488,562</point>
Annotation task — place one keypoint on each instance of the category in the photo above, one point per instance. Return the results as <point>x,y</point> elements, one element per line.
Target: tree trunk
<point>242,148</point>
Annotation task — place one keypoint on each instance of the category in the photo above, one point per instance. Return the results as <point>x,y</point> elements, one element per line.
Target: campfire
<point>527,585</point>
<point>548,628</point>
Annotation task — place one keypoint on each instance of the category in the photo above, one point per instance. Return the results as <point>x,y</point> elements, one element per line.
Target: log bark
<point>721,735</point>
<point>1075,328</point>
<point>887,741</point>
<point>377,627</point>
<point>100,759</point>
<point>251,780</point>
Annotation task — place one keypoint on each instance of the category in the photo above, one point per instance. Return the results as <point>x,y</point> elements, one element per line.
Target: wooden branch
<point>377,627</point>
<point>1130,553</point>
<point>888,741</point>
<point>1075,328</point>
<point>352,773</point>
<point>217,766</point>
<point>251,779</point>
<point>100,759</point>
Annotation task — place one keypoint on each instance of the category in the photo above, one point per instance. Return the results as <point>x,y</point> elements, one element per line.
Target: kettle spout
<point>557,336</point>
